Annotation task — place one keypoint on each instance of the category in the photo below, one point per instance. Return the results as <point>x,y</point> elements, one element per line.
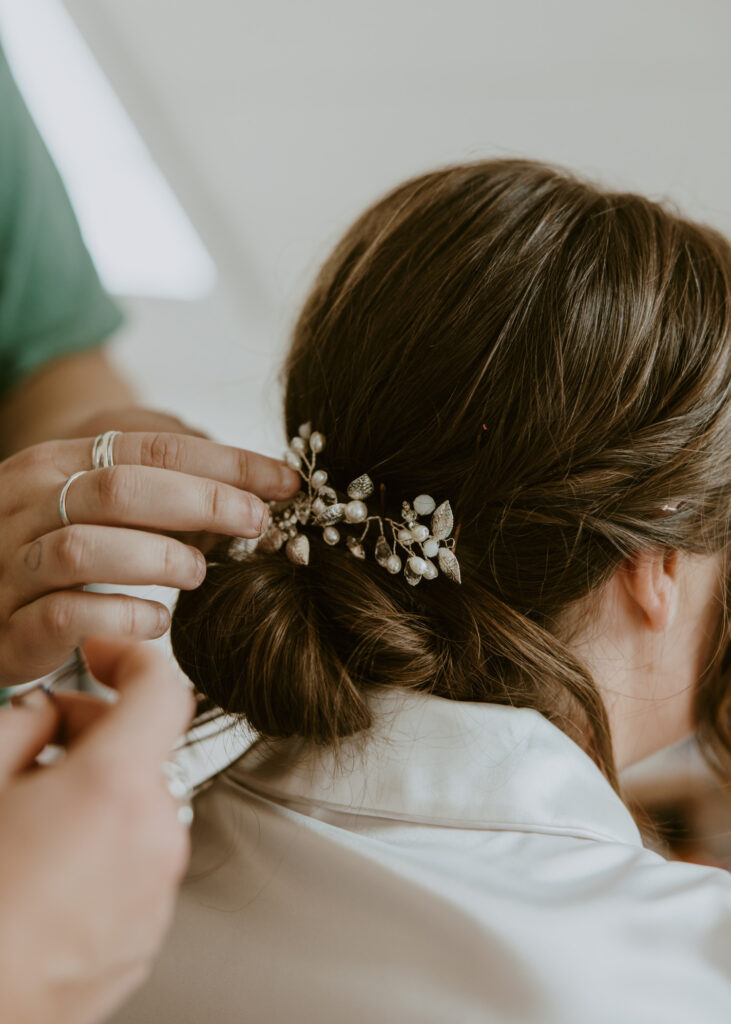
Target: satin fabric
<point>459,863</point>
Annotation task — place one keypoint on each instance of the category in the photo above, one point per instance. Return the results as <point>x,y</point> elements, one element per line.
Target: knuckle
<point>72,549</point>
<point>142,618</point>
<point>161,451</point>
<point>169,561</point>
<point>129,618</point>
<point>115,487</point>
<point>214,498</point>
<point>58,616</point>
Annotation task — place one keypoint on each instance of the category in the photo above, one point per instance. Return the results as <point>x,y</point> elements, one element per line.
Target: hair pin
<point>320,505</point>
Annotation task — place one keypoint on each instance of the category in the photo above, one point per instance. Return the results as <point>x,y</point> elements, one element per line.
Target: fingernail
<point>289,480</point>
<point>200,563</point>
<point>264,520</point>
<point>202,568</point>
<point>163,621</point>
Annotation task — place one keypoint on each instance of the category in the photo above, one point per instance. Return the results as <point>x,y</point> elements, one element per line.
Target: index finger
<point>269,479</point>
<point>154,707</point>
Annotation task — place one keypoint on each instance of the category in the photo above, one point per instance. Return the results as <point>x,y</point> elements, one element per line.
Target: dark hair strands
<point>554,359</point>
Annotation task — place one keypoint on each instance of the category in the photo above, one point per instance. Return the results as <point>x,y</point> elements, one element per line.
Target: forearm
<point>66,391</point>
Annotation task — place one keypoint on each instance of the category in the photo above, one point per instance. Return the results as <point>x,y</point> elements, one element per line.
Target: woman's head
<point>552,358</point>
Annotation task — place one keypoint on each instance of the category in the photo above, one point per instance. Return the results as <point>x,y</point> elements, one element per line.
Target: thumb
<point>26,726</point>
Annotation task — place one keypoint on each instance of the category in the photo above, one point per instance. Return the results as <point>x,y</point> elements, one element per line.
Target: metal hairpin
<point>320,505</point>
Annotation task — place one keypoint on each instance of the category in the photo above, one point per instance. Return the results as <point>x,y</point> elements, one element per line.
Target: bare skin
<point>92,849</point>
<point>139,522</point>
<point>646,639</point>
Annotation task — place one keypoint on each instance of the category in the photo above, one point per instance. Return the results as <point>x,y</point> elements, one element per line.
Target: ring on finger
<point>64,494</point>
<point>102,451</point>
<point>178,787</point>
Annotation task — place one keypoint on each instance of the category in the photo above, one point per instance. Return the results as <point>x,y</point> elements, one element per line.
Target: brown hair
<point>555,360</point>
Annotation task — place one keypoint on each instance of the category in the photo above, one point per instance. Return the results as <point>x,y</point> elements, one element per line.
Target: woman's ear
<point>650,580</point>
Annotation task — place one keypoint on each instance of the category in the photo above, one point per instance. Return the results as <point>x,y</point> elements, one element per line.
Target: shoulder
<point>517,925</point>
<point>661,928</point>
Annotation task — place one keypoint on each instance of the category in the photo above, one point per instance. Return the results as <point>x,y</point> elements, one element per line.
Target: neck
<point>645,678</point>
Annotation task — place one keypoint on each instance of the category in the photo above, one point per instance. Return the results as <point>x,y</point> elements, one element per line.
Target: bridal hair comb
<point>320,505</point>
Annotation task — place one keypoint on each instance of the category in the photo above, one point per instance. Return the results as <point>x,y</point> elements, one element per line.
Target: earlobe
<point>650,580</point>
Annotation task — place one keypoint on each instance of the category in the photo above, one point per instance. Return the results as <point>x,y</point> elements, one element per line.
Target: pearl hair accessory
<point>321,505</point>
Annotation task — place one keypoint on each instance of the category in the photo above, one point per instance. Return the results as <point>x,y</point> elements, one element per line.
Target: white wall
<point>277,122</point>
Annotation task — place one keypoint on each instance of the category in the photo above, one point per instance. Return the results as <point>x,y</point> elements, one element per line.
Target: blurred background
<point>215,150</point>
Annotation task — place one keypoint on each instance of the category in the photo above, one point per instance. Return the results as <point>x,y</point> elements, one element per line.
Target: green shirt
<point>51,300</point>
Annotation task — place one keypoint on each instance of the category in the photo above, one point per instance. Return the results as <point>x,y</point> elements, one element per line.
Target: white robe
<point>462,863</point>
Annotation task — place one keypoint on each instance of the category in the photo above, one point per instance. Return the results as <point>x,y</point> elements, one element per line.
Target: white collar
<point>449,763</point>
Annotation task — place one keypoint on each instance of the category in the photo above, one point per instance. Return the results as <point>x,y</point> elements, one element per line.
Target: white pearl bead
<point>419,532</point>
<point>292,459</point>
<point>431,547</point>
<point>304,430</point>
<point>319,477</point>
<point>318,506</point>
<point>417,565</point>
<point>405,536</point>
<point>394,564</point>
<point>431,571</point>
<point>355,511</point>
<point>298,444</point>
<point>317,441</point>
<point>424,504</point>
<point>330,535</point>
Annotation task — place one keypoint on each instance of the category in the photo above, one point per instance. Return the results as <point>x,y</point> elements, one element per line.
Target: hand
<point>137,419</point>
<point>91,849</point>
<point>162,483</point>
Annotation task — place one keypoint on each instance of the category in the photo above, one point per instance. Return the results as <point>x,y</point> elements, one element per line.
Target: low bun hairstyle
<point>555,360</point>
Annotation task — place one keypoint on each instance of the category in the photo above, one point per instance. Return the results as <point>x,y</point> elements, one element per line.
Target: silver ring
<point>178,787</point>
<point>102,451</point>
<point>63,495</point>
